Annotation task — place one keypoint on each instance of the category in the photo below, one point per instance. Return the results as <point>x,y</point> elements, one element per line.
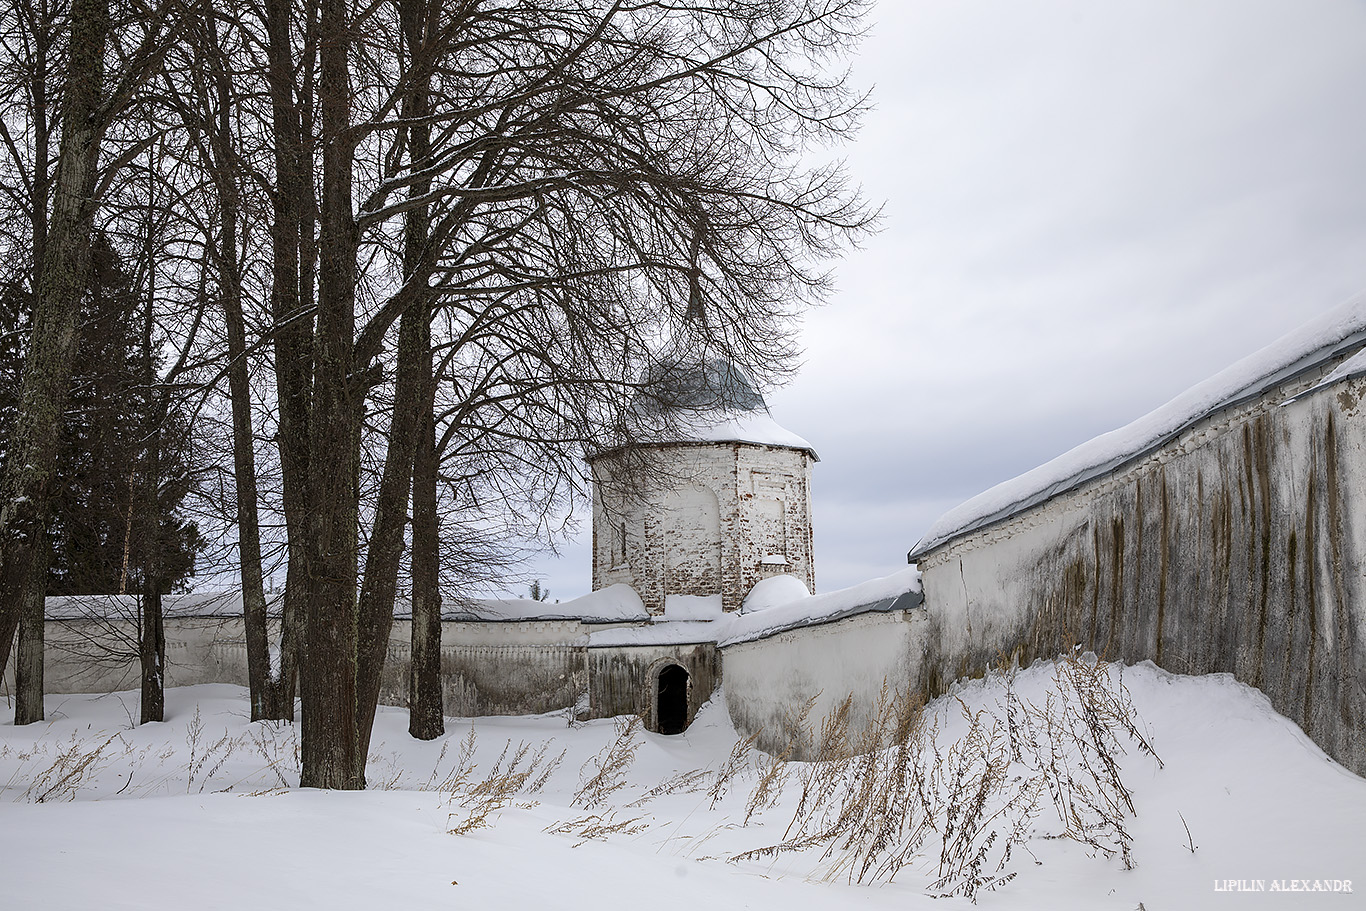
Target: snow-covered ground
<point>200,812</point>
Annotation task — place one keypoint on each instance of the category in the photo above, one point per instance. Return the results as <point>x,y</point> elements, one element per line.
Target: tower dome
<point>710,384</point>
<point>713,401</point>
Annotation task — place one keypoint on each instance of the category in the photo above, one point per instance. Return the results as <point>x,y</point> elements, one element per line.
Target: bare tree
<point>492,226</point>
<point>292,54</point>
<point>606,187</point>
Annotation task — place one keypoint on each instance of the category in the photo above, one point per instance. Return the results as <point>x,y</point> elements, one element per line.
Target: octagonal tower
<point>727,503</point>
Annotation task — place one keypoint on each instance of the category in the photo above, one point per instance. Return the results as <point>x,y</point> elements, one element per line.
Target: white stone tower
<point>731,504</point>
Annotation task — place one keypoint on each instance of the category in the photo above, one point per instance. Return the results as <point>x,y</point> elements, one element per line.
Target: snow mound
<point>1338,332</point>
<point>772,592</point>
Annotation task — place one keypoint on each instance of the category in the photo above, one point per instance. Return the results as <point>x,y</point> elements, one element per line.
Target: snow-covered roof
<point>706,400</point>
<point>1336,333</point>
<point>614,604</point>
<point>755,426</point>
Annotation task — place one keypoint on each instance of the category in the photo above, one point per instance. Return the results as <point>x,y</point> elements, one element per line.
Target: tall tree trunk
<point>291,307</point>
<point>259,682</point>
<point>152,643</point>
<point>259,677</point>
<point>329,742</point>
<point>425,711</point>
<point>152,629</point>
<point>152,646</point>
<point>384,553</point>
<point>28,665</point>
<point>25,496</point>
<point>28,669</point>
<point>426,719</point>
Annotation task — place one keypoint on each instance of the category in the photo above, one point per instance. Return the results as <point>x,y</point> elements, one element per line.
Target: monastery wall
<point>770,680</point>
<point>1238,547</point>
<point>99,655</point>
<point>507,668</point>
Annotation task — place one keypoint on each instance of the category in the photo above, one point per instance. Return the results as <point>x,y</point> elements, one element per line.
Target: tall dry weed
<point>874,802</point>
<point>517,773</point>
<point>605,774</point>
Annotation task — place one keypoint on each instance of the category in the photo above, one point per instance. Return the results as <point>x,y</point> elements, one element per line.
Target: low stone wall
<point>99,655</point>
<point>507,668</point>
<point>1237,547</point>
<point>769,680</point>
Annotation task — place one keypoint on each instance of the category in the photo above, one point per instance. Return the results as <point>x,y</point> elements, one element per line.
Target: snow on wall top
<point>1335,333</point>
<point>614,604</point>
<point>179,605</point>
<point>778,606</point>
<point>673,632</point>
<point>899,591</point>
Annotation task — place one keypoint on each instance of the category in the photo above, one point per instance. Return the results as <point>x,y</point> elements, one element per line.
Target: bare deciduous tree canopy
<point>445,243</point>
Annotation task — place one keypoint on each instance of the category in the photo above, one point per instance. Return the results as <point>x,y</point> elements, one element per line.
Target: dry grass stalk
<point>278,754</point>
<point>682,783</point>
<point>205,761</point>
<point>605,774</point>
<point>514,773</point>
<point>735,762</point>
<point>598,826</point>
<point>75,766</point>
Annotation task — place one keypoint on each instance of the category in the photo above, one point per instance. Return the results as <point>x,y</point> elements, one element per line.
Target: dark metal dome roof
<point>711,384</point>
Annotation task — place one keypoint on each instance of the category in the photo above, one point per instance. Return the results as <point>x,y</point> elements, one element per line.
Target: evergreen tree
<point>98,530</point>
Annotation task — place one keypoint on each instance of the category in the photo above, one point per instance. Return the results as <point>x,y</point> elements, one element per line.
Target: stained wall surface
<point>1238,547</point>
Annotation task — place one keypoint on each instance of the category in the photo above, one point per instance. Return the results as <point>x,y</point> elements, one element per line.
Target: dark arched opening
<point>671,709</point>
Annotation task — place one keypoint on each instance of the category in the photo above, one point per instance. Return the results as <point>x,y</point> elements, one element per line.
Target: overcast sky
<point>1089,208</point>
